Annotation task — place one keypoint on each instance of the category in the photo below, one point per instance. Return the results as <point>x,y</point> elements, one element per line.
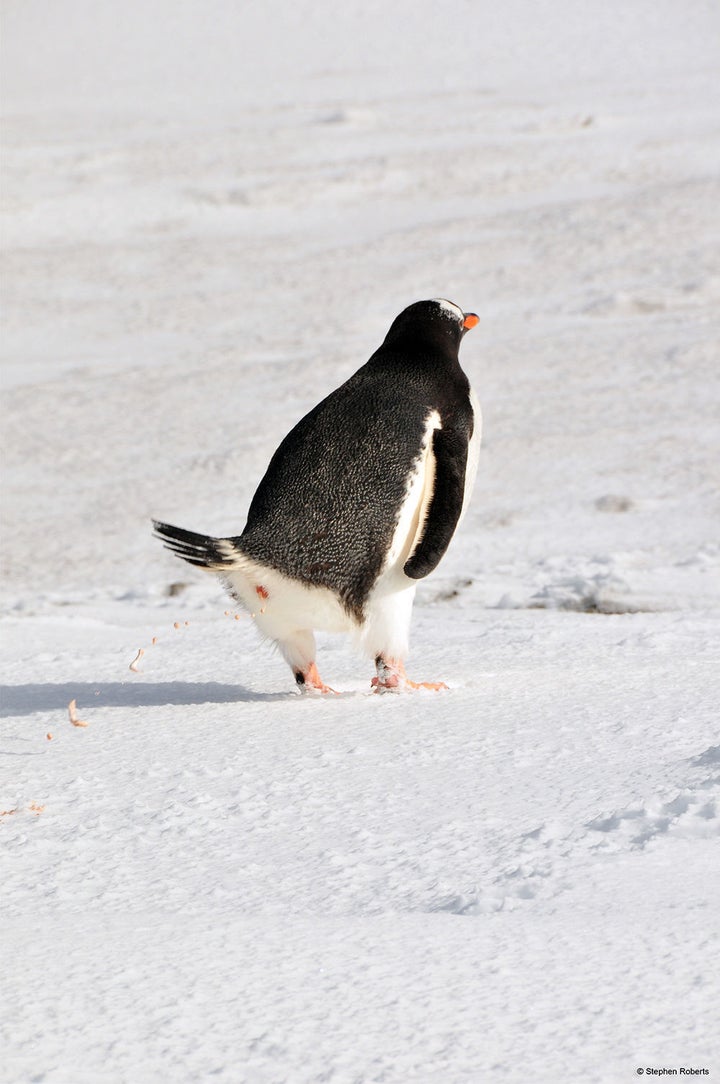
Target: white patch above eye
<point>448,306</point>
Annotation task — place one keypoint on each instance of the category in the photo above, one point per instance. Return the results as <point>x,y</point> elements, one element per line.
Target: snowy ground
<point>209,221</point>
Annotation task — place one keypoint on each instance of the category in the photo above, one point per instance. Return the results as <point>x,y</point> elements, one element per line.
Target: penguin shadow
<point>19,700</point>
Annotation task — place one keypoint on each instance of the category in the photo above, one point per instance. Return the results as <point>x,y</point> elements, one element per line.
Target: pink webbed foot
<point>391,677</point>
<point>309,681</point>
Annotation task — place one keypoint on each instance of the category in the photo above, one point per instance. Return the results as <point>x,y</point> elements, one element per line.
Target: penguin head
<point>437,324</point>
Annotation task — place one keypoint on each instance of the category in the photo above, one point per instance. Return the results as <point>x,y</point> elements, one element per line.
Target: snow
<point>211,218</point>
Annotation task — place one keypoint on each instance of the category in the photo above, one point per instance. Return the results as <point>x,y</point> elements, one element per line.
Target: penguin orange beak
<point>471,320</point>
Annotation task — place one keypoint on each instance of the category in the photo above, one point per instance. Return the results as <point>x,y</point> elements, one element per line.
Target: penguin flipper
<point>450,448</point>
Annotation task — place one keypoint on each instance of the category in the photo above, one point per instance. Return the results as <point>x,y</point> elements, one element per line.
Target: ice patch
<point>599,592</point>
<point>690,814</point>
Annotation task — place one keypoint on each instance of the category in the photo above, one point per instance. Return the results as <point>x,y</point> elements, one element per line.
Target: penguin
<point>359,502</point>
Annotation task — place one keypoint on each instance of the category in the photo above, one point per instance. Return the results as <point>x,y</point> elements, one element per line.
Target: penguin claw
<point>406,686</point>
<point>434,686</point>
<point>391,677</point>
<point>321,689</point>
<point>309,681</point>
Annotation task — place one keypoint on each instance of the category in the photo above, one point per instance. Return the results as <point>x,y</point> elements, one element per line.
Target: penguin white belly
<point>389,605</point>
<point>420,489</point>
<point>282,605</point>
<point>413,514</point>
<point>473,455</point>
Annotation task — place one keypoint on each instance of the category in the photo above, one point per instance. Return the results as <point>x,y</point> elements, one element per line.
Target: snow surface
<point>212,213</point>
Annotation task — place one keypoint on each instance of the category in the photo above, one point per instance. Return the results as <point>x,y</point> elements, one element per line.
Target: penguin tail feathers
<point>214,554</point>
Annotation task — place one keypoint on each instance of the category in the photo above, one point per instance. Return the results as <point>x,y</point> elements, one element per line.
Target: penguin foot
<point>309,681</point>
<point>391,677</point>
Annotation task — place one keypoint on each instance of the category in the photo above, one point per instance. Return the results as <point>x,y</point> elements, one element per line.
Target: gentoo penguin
<point>359,502</point>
